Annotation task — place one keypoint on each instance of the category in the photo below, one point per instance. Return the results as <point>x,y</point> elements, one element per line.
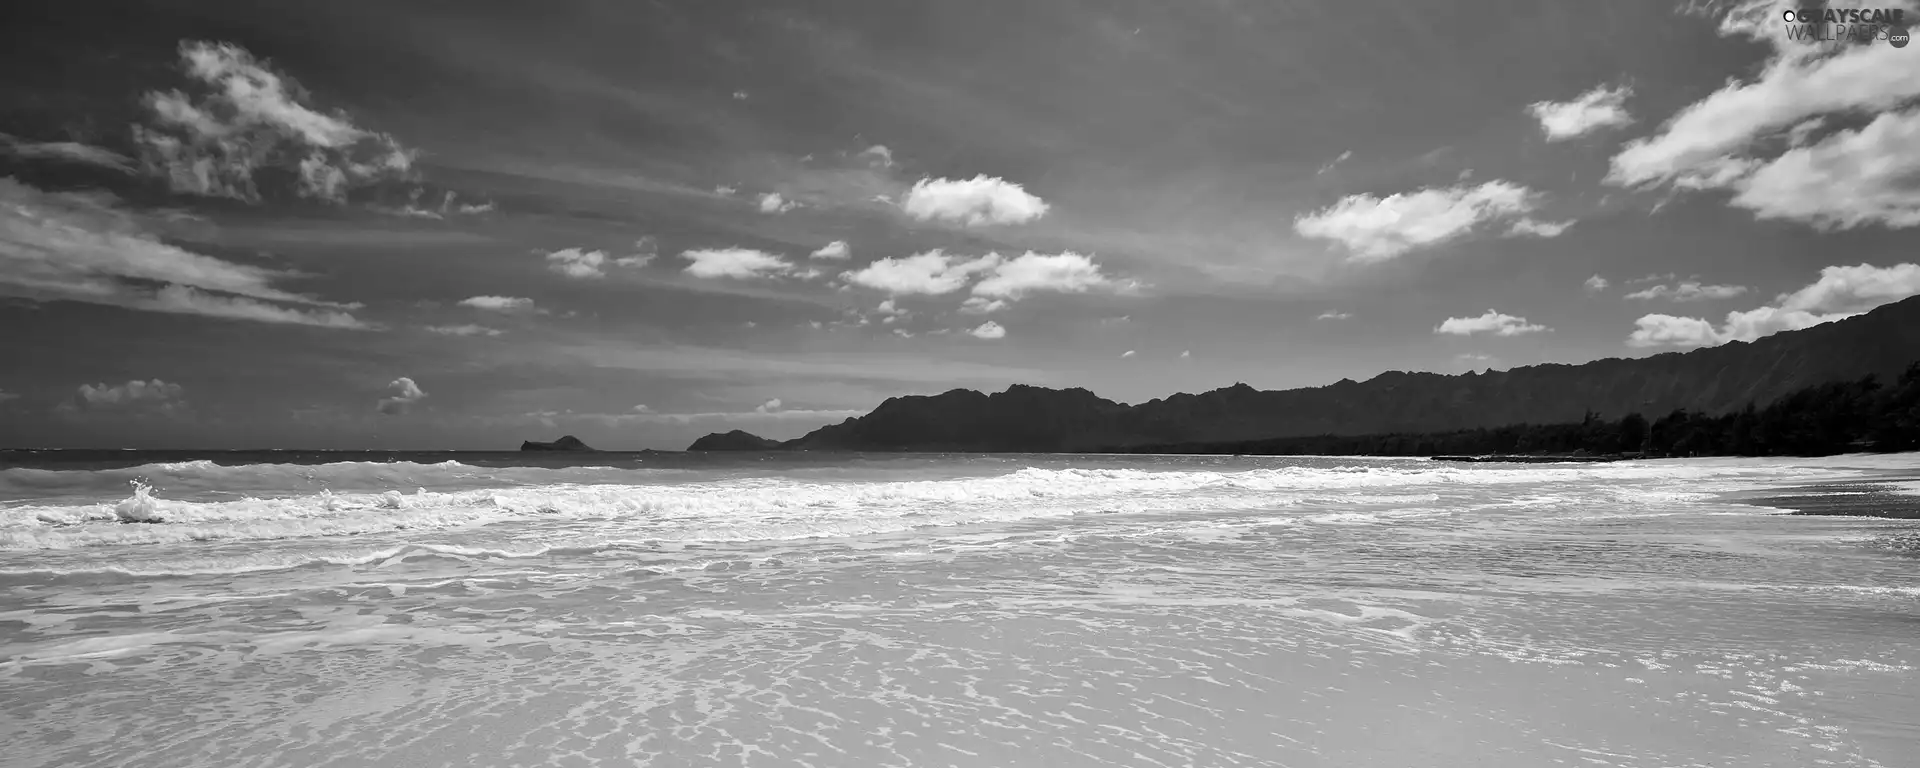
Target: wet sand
<point>1893,496</point>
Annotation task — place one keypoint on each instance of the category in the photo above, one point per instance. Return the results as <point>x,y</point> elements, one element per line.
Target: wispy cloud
<point>1333,315</point>
<point>83,247</point>
<point>463,330</point>
<point>1688,290</point>
<point>66,151</point>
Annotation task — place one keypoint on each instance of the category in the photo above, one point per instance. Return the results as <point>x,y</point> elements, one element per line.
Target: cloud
<point>725,191</point>
<point>153,396</point>
<point>1333,315</point>
<point>1840,293</point>
<point>1688,290</point>
<point>1529,227</point>
<point>248,117</point>
<point>988,330</point>
<point>902,332</point>
<point>1381,228</point>
<point>1127,354</point>
<point>83,247</point>
<point>769,406</point>
<point>498,303</point>
<point>1670,331</point>
<point>405,394</point>
<point>575,263</point>
<point>1336,161</point>
<point>1596,284</point>
<point>879,155</point>
<point>835,250</point>
<point>889,308</point>
<point>1185,353</point>
<point>772,202</point>
<point>979,305</point>
<point>1064,272</point>
<point>645,250</point>
<point>1601,107</point>
<point>1850,179</point>
<point>737,263</point>
<point>463,330</point>
<point>972,202</point>
<point>932,273</point>
<point>740,95</point>
<point>1749,136</point>
<point>5,396</point>
<point>1492,322</point>
<point>66,151</point>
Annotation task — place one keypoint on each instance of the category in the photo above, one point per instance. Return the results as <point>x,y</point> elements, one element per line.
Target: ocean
<point>286,609</point>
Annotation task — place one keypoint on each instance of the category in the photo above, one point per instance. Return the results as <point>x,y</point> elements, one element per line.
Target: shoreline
<point>1879,497</point>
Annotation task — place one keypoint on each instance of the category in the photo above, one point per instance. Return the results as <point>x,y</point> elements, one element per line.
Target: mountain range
<point>1711,380</point>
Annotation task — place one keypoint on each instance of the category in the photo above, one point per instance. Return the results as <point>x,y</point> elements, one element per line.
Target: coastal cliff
<point>1714,380</point>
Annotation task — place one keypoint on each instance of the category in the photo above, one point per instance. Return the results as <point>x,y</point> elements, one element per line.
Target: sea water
<point>950,611</point>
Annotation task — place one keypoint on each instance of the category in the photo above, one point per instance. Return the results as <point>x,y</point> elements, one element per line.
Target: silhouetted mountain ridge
<point>1712,380</point>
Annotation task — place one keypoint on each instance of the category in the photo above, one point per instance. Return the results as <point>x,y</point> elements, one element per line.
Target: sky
<point>415,224</point>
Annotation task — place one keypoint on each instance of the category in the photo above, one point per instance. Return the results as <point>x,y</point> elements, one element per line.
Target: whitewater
<point>952,610</point>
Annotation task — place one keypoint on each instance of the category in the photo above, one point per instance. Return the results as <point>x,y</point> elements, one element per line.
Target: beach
<point>957,610</point>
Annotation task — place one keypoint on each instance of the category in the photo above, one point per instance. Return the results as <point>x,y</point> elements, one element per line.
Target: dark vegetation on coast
<point>1843,386</point>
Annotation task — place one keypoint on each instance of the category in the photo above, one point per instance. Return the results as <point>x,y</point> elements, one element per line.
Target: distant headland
<point>1835,387</point>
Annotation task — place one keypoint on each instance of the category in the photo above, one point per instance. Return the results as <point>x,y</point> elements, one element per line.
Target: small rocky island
<point>737,440</point>
<point>566,443</point>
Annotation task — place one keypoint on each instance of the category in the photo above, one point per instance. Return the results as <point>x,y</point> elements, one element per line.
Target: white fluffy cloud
<point>1333,315</point>
<point>1601,107</point>
<point>1658,330</point>
<point>576,263</point>
<point>971,202</point>
<point>1064,272</point>
<point>736,263</point>
<point>1849,179</point>
<point>932,273</point>
<point>645,250</point>
<point>83,247</point>
<point>1381,228</point>
<point>1596,284</point>
<point>248,117</point>
<point>988,330</point>
<point>1751,135</point>
<point>405,394</point>
<point>773,202</point>
<point>1840,293</point>
<point>837,249</point>
<point>1493,322</point>
<point>1688,290</point>
<point>153,395</point>
<point>1128,353</point>
<point>463,330</point>
<point>498,303</point>
<point>879,155</point>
